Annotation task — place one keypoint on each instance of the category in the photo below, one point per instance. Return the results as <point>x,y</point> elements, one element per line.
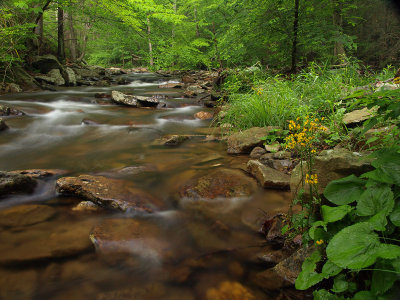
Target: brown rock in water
<point>257,152</point>
<point>230,290</point>
<point>226,183</point>
<point>45,241</point>
<point>243,142</point>
<point>86,206</point>
<point>171,140</point>
<point>203,115</point>
<point>136,241</point>
<point>171,86</point>
<point>107,193</point>
<point>18,284</point>
<point>39,173</point>
<point>3,125</point>
<point>268,177</point>
<point>15,184</point>
<point>24,215</point>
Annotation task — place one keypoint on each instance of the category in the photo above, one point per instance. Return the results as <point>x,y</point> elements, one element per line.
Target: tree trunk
<point>338,50</point>
<point>216,46</point>
<point>173,26</point>
<point>72,40</point>
<point>150,45</point>
<point>295,33</point>
<point>60,22</point>
<point>197,23</point>
<point>39,34</point>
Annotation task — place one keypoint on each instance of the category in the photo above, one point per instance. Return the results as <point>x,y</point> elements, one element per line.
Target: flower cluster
<point>319,242</point>
<point>311,179</point>
<point>258,91</point>
<point>303,135</point>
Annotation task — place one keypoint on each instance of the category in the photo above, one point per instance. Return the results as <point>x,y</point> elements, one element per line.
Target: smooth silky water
<point>212,242</point>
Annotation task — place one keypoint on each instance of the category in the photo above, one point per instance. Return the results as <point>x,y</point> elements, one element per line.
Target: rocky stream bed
<point>124,191</point>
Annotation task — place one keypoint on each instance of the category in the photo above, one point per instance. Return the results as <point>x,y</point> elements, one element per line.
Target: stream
<point>193,250</point>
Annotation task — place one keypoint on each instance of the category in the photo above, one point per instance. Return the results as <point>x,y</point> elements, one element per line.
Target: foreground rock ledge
<point>15,184</point>
<point>243,142</point>
<point>108,193</point>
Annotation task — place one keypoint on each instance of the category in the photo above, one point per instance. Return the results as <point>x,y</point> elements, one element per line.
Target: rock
<point>225,183</point>
<point>257,152</point>
<point>102,95</point>
<point>243,142</point>
<point>121,98</point>
<point>188,79</point>
<point>135,242</point>
<point>282,155</point>
<point>107,193</point>
<point>331,165</point>
<point>18,284</point>
<point>385,86</point>
<point>272,228</point>
<point>147,101</point>
<point>170,86</point>
<point>15,184</point>
<point>92,72</point>
<point>229,290</point>
<point>196,89</point>
<point>102,83</point>
<point>3,125</point>
<point>56,75</point>
<point>203,115</point>
<point>12,88</point>
<point>162,105</point>
<point>9,111</point>
<point>115,71</point>
<point>282,165</point>
<point>358,116</point>
<point>89,122</point>
<point>273,147</point>
<point>268,177</point>
<point>210,104</point>
<point>269,280</point>
<point>39,173</point>
<point>24,215</point>
<point>171,140</point>
<point>46,63</point>
<point>290,268</point>
<point>86,206</point>
<point>45,241</point>
<point>189,94</point>
<point>46,79</point>
<point>70,77</point>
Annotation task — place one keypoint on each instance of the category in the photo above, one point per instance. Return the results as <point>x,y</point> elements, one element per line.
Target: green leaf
<point>333,214</point>
<point>330,269</point>
<point>308,277</point>
<point>389,251</point>
<point>340,284</point>
<point>364,295</point>
<point>395,215</point>
<point>382,281</point>
<point>313,228</point>
<point>387,164</point>
<point>379,221</point>
<point>345,190</point>
<point>354,247</point>
<point>374,200</point>
<point>324,295</point>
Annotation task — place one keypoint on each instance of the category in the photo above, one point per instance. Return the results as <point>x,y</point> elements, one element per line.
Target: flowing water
<point>203,246</point>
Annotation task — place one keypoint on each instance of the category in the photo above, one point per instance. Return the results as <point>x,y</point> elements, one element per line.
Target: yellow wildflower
<point>319,242</point>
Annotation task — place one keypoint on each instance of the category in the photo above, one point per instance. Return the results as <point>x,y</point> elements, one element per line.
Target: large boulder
<point>15,184</point>
<point>39,173</point>
<point>108,193</point>
<point>222,183</point>
<point>121,98</point>
<point>358,116</point>
<point>45,79</point>
<point>331,165</point>
<point>268,177</point>
<point>9,111</point>
<point>56,75</point>
<point>46,63</point>
<point>69,76</point>
<point>243,142</point>
<point>10,87</point>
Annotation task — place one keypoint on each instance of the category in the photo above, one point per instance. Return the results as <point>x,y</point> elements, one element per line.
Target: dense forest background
<point>199,34</point>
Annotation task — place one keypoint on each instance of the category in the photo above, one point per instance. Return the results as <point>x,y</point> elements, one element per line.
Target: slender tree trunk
<point>338,50</point>
<point>72,39</point>
<point>173,26</point>
<point>295,34</point>
<point>39,34</point>
<point>150,45</point>
<point>60,22</point>
<point>85,37</point>
<point>197,23</point>
<point>216,46</point>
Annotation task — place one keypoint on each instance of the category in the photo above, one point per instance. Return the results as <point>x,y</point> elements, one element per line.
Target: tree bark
<point>72,39</point>
<point>338,49</point>
<point>150,45</point>
<point>60,39</point>
<point>295,34</point>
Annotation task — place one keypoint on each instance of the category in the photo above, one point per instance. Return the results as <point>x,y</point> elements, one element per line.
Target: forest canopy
<point>193,34</point>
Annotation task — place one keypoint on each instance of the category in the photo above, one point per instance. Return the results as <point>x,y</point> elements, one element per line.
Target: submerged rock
<point>86,206</point>
<point>23,215</point>
<point>203,115</point>
<point>15,184</point>
<point>18,284</point>
<point>243,142</point>
<point>230,290</point>
<point>107,193</point>
<point>225,183</point>
<point>171,140</point>
<point>268,177</point>
<point>9,111</point>
<point>40,173</point>
<point>171,86</point>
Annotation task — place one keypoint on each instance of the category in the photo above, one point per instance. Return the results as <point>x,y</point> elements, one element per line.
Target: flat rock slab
<point>121,98</point>
<point>108,193</point>
<point>243,142</point>
<point>15,184</point>
<point>358,116</point>
<point>24,215</point>
<point>45,241</point>
<point>39,173</point>
<point>222,183</point>
<point>134,241</point>
<point>267,177</point>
